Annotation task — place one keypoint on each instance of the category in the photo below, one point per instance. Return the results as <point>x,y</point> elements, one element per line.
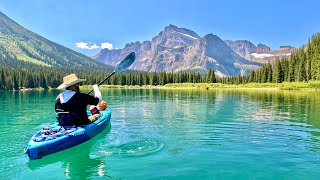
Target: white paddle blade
<point>125,63</point>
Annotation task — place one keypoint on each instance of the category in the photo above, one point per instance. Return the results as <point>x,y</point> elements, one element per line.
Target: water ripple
<point>135,148</point>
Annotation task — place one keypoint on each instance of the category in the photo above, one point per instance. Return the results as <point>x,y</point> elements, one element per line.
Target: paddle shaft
<point>104,80</point>
<point>122,65</point>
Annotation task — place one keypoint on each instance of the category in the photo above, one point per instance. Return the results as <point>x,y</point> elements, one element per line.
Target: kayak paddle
<point>121,66</point>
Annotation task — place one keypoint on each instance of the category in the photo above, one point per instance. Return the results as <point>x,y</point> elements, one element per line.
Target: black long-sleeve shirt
<point>78,104</point>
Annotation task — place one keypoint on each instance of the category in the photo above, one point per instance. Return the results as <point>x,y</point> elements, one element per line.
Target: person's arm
<point>97,92</point>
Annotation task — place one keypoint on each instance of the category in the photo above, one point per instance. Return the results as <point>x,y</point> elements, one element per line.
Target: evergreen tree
<point>269,80</point>
<point>252,76</point>
<point>2,80</point>
<point>211,78</point>
<point>15,83</point>
<point>278,73</point>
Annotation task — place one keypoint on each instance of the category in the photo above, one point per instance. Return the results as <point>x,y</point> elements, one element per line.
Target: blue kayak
<point>54,138</point>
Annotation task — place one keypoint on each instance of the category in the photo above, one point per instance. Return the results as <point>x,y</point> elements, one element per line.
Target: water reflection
<point>215,117</point>
<point>17,105</point>
<point>298,106</point>
<point>81,166</point>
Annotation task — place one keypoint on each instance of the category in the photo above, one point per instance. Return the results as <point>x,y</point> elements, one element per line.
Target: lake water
<point>173,134</point>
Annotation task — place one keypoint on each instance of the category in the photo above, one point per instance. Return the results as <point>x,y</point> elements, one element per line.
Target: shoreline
<point>208,86</point>
<point>312,85</point>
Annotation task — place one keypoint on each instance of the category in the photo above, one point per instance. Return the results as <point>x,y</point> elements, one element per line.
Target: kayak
<point>54,138</point>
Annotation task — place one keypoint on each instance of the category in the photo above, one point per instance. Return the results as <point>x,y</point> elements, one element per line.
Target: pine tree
<point>2,80</point>
<point>292,65</point>
<point>211,78</point>
<point>214,79</point>
<point>278,72</point>
<point>15,82</point>
<point>252,76</point>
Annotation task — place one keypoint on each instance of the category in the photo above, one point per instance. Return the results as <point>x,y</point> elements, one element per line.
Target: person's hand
<point>95,86</point>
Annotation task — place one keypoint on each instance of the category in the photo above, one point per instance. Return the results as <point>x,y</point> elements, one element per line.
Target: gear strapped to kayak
<point>54,138</point>
<point>48,133</point>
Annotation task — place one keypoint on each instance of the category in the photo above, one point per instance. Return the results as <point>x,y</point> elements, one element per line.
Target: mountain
<point>260,53</point>
<point>179,49</point>
<point>21,47</point>
<point>212,52</point>
<point>157,55</point>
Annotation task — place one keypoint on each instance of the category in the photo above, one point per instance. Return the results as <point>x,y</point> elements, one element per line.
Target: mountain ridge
<point>260,53</point>
<point>179,49</point>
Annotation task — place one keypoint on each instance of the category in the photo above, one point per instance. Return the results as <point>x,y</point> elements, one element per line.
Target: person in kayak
<point>71,105</point>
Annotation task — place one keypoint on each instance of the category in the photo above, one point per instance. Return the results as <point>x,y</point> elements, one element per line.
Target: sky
<point>87,26</point>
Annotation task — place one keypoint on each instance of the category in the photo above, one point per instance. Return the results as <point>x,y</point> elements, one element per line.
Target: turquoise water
<point>173,134</point>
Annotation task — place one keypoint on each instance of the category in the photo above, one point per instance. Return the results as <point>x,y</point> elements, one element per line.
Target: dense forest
<point>44,77</point>
<point>303,65</point>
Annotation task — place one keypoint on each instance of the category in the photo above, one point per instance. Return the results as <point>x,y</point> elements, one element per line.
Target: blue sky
<point>113,23</point>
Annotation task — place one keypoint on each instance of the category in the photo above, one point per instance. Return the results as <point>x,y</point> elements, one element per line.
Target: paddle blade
<point>125,63</point>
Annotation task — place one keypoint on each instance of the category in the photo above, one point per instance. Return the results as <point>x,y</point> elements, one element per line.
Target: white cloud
<point>106,45</point>
<point>84,45</point>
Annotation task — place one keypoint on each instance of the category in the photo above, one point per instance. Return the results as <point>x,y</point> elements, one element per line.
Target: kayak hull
<point>63,138</point>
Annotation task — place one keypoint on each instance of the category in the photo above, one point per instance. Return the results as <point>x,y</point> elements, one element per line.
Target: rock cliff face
<point>212,52</point>
<point>179,49</point>
<point>242,47</point>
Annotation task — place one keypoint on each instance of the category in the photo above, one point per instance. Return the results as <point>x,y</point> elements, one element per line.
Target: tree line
<point>45,77</point>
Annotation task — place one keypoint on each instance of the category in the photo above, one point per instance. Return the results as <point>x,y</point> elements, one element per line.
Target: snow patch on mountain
<point>256,55</point>
<point>188,35</point>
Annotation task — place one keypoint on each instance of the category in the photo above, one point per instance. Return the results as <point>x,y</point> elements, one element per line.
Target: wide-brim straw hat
<point>69,81</point>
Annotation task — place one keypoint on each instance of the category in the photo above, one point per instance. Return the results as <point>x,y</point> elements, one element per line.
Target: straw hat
<point>69,81</point>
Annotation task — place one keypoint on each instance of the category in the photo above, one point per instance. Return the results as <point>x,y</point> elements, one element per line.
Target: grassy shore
<point>271,86</point>
<point>283,86</point>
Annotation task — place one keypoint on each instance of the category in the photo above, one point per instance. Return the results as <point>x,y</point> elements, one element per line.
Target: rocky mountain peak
<point>171,28</point>
<point>211,37</point>
<point>242,45</point>
<point>261,48</point>
<point>175,37</point>
<point>285,49</point>
<point>132,44</point>
<point>216,44</point>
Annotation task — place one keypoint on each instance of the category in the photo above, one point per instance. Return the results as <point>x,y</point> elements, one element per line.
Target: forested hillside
<point>18,44</point>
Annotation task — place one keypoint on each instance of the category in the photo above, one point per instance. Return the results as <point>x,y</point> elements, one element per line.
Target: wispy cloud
<point>84,45</point>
